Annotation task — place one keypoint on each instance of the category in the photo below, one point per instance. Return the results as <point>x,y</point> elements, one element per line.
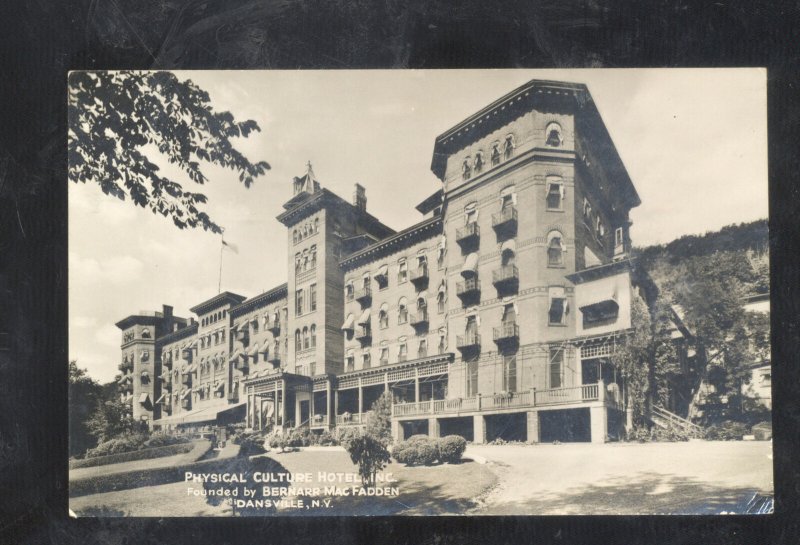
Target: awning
<point>185,394</point>
<point>145,374</point>
<point>509,246</point>
<point>348,323</point>
<point>204,414</point>
<point>383,270</point>
<point>422,295</point>
<point>190,369</point>
<point>364,318</point>
<point>219,387</point>
<point>470,265</point>
<point>144,398</point>
<point>602,310</point>
<point>253,351</point>
<point>160,399</point>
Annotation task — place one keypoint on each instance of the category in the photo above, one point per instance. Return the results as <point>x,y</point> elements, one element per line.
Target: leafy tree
<point>379,421</point>
<point>632,360</point>
<point>112,419</point>
<point>371,455</point>
<point>84,395</point>
<point>117,118</point>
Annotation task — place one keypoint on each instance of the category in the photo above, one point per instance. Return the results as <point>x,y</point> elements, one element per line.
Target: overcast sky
<point>694,143</point>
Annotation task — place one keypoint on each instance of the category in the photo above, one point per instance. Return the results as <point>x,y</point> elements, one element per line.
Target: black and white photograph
<point>419,292</point>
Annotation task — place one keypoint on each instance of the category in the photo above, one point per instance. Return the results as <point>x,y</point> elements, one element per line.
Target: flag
<point>231,247</point>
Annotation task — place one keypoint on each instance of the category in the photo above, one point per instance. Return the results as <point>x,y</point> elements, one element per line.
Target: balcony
<point>364,295</point>
<point>350,419</point>
<point>419,276</point>
<point>186,403</point>
<point>506,279</point>
<point>468,289</point>
<point>363,334</point>
<point>233,396</point>
<point>469,341</point>
<point>125,366</point>
<point>420,319</point>
<point>242,364</point>
<point>507,333</point>
<point>274,358</point>
<point>505,222</point>
<point>319,420</point>
<point>167,362</point>
<point>186,379</point>
<point>274,327</point>
<point>468,236</point>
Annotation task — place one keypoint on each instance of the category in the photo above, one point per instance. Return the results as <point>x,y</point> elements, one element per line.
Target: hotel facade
<point>495,316</point>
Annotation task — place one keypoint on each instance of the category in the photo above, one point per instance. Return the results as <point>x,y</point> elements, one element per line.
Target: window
<point>255,325</point>
<point>313,257</point>
<point>222,336</point>
<point>349,363</point>
<point>441,298</point>
<point>553,136</point>
<point>508,257</point>
<point>600,229</point>
<point>402,350</point>
<point>305,260</point>
<point>508,147</point>
<point>402,273</point>
<point>316,225</point>
<point>366,360</point>
<point>298,341</point>
<point>306,339</point>
<point>297,262</point>
<point>145,356</point>
<point>349,291</point>
<point>471,330</point>
<point>556,367</point>
<point>509,314</point>
<point>402,311</point>
<point>555,249</point>
<point>422,351</point>
<point>495,156</point>
<point>477,166</point>
<point>313,336</point>
<point>508,199</point>
<point>442,342</point>
<point>472,377</point>
<point>510,373</point>
<point>559,308</point>
<point>298,302</point>
<point>555,194</point>
<point>295,238</point>
<point>312,297</point>
<point>466,169</point>
<point>384,355</point>
<point>587,209</point>
<point>422,305</point>
<point>471,213</point>
<point>618,238</point>
<point>383,316</point>
<point>145,333</point>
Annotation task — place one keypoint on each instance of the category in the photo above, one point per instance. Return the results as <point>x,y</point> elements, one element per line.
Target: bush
<point>142,454</point>
<point>165,440</point>
<point>250,444</point>
<point>763,431</point>
<point>417,450</point>
<point>346,434</point>
<point>325,439</point>
<point>278,441</point>
<point>451,448</point>
<point>727,431</point>
<point>124,443</point>
<point>299,438</point>
<point>370,454</point>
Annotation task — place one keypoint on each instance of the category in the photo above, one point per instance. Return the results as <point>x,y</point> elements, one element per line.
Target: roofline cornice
<point>391,242</point>
<point>263,299</point>
<point>217,301</point>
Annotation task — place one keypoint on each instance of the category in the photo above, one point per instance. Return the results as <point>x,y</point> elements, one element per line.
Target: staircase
<point>668,420</point>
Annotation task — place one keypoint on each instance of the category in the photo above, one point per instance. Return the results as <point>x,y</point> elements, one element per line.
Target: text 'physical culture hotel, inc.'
<point>493,317</point>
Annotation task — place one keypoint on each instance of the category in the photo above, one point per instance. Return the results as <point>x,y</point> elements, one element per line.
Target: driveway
<point>696,477</point>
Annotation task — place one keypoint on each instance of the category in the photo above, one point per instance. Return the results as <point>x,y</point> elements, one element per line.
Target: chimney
<point>360,198</point>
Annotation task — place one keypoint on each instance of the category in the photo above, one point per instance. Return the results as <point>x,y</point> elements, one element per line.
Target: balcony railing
<point>505,221</point>
<point>350,418</point>
<point>468,341</point>
<point>186,379</point>
<point>420,319</point>
<point>510,400</point>
<point>468,235</point>
<point>274,357</point>
<point>506,276</point>
<point>363,334</point>
<point>419,275</point>
<point>319,420</point>
<point>508,331</point>
<point>364,295</point>
<point>471,287</point>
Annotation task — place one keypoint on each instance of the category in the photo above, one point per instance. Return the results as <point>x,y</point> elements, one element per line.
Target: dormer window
<point>466,169</point>
<point>553,137</point>
<point>478,164</point>
<point>508,146</point>
<point>495,156</point>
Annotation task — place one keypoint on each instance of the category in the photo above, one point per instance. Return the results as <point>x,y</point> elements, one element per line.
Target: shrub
<point>451,448</point>
<point>417,450</point>
<point>278,441</point>
<point>763,431</point>
<point>379,419</point>
<point>370,454</point>
<point>727,431</point>
<point>325,439</point>
<point>165,440</point>
<point>345,435</point>
<point>299,438</point>
<point>250,444</point>
<point>124,443</point>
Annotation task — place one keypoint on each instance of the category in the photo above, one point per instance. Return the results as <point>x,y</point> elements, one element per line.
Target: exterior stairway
<point>668,420</point>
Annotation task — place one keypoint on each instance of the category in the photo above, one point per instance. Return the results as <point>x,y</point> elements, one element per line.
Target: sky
<point>694,142</point>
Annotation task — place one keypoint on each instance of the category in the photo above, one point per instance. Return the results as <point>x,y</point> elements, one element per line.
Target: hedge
<point>144,454</point>
<point>424,450</point>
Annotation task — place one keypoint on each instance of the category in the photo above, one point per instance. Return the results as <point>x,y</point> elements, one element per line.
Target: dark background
<point>41,40</point>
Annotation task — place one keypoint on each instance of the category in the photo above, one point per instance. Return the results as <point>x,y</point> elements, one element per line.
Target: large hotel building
<point>495,316</point>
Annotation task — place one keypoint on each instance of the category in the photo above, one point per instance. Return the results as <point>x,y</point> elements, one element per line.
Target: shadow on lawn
<point>643,493</point>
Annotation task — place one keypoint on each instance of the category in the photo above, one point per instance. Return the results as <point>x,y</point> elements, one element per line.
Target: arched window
<point>402,311</point>
<point>508,257</point>
<point>145,333</point>
<point>508,146</point>
<point>555,249</point>
<point>294,236</point>
<point>422,304</point>
<point>306,340</point>
<point>466,169</point>
<point>316,225</point>
<point>471,213</point>
<point>553,137</point>
<point>422,351</point>
<point>402,349</point>
<point>495,156</point>
<point>383,316</point>
<point>297,263</point>
<point>298,341</point>
<point>440,302</point>
<point>477,166</point>
<point>313,256</point>
<point>313,336</point>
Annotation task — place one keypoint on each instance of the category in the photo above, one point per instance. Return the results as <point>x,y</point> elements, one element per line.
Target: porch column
<point>283,404</point>
<point>533,426</point>
<point>599,423</point>
<point>275,405</point>
<point>397,431</point>
<point>433,427</point>
<point>360,397</point>
<point>328,408</point>
<point>335,404</point>
<point>416,385</point>
<point>386,382</point>
<point>311,406</point>
<point>478,429</point>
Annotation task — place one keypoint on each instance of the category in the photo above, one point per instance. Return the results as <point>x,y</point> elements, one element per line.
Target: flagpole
<point>221,249</point>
